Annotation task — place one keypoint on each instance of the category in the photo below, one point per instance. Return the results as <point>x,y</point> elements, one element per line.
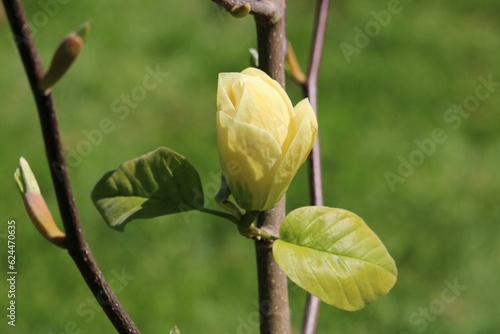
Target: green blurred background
<point>440,224</point>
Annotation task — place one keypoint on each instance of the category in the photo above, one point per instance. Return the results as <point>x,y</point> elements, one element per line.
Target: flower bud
<point>35,205</point>
<point>263,139</point>
<point>65,55</point>
<point>240,11</point>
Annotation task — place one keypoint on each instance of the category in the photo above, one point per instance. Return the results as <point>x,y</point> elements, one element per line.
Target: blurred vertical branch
<point>77,247</point>
<point>309,88</point>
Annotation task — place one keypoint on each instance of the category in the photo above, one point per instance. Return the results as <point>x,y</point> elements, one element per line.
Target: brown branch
<point>274,308</point>
<point>78,248</point>
<point>315,180</point>
<point>273,288</point>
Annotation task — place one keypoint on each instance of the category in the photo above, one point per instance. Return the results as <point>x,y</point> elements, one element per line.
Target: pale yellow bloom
<point>263,139</point>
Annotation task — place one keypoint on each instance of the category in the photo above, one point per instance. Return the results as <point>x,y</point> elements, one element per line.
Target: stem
<point>315,180</point>
<point>221,214</point>
<point>78,248</point>
<point>274,307</point>
<point>271,44</point>
<point>273,289</point>
<point>248,229</point>
<point>222,200</point>
<point>264,234</point>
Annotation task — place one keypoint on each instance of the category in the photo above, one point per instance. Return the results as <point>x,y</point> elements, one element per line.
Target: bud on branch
<point>65,55</point>
<point>35,205</point>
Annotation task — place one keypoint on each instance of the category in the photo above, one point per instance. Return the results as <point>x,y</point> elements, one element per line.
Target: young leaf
<point>333,254</point>
<point>158,183</point>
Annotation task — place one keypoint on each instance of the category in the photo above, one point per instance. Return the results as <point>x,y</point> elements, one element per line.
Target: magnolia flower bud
<point>35,205</point>
<point>65,55</point>
<point>262,139</point>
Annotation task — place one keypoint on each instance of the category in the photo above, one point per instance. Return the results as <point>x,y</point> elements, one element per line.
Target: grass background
<point>440,224</point>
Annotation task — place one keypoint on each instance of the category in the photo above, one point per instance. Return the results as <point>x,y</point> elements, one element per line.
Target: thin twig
<point>315,179</point>
<point>78,248</point>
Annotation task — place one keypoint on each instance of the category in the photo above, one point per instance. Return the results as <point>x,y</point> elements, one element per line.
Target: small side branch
<point>78,248</point>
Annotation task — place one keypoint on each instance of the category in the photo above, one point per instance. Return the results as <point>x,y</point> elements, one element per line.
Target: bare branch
<point>315,179</point>
<point>273,288</point>
<point>316,51</point>
<point>78,248</point>
<point>274,306</point>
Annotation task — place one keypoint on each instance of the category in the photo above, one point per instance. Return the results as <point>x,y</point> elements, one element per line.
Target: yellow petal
<point>273,83</point>
<point>292,127</point>
<point>306,119</point>
<point>264,108</point>
<point>225,95</point>
<point>249,157</point>
<point>297,152</point>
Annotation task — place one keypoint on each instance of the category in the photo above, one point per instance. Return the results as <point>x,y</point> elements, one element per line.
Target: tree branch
<point>315,179</point>
<point>78,248</point>
<point>273,288</point>
<point>274,308</point>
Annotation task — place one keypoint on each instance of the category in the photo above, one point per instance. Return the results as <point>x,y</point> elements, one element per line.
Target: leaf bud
<point>65,55</point>
<point>35,205</point>
<point>241,10</point>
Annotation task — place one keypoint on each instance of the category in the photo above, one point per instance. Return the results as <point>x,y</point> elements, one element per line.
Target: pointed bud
<point>175,330</point>
<point>84,30</point>
<point>241,10</point>
<point>254,57</point>
<point>35,205</point>
<point>65,55</point>
<point>25,178</point>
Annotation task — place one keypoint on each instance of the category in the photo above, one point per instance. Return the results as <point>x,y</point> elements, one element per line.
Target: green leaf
<point>333,254</point>
<point>159,183</point>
